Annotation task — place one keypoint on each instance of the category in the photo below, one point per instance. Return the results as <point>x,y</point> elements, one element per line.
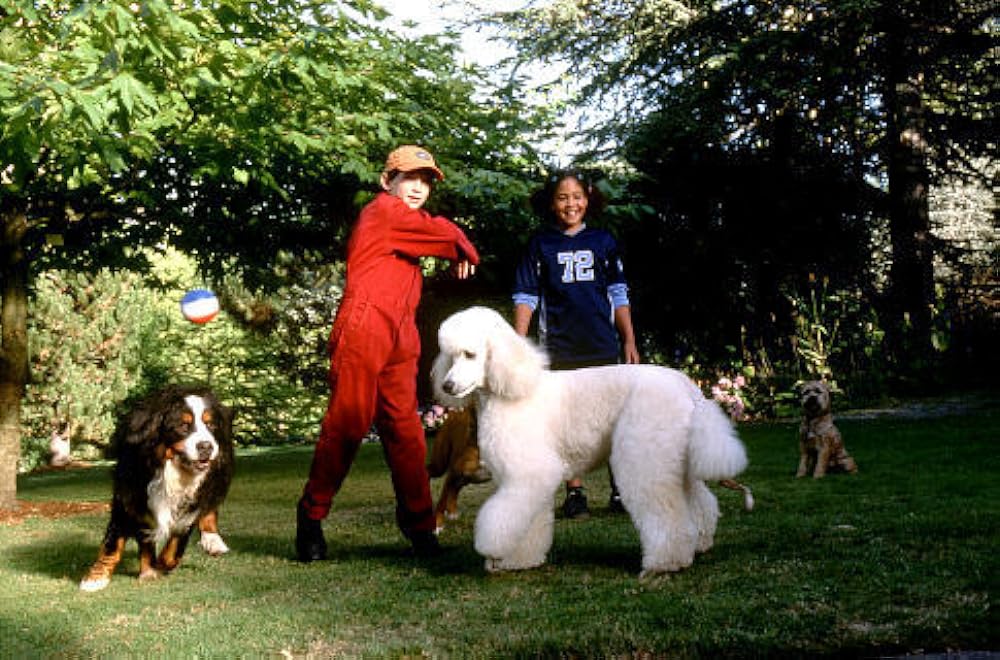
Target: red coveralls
<point>374,347</point>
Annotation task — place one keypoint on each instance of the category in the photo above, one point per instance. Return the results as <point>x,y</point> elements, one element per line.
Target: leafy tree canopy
<point>234,128</point>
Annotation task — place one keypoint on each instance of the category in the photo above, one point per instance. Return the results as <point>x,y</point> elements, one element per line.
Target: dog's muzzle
<point>452,388</point>
<point>812,404</point>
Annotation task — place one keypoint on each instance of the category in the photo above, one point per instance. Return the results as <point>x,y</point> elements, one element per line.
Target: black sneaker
<point>615,503</point>
<point>425,545</point>
<point>309,542</point>
<point>575,505</point>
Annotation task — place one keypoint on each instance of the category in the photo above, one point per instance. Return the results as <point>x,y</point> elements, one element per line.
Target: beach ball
<point>199,306</point>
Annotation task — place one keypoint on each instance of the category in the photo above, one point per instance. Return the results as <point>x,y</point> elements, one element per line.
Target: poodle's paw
<point>664,567</point>
<point>705,543</point>
<point>498,565</point>
<point>213,544</point>
<point>651,578</point>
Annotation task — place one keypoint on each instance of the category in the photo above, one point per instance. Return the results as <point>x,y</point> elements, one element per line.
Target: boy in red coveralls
<point>374,348</point>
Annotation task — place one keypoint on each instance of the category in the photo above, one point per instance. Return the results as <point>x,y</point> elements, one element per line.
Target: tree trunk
<point>13,348</point>
<point>912,272</point>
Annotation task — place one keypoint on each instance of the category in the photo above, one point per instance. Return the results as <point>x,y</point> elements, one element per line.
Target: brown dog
<point>821,448</point>
<point>455,456</point>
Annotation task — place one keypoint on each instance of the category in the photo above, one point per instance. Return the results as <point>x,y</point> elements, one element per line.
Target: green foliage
<point>100,340</point>
<point>898,559</point>
<point>236,132</point>
<point>88,337</point>
<point>820,321</point>
<point>236,129</point>
<point>769,138</point>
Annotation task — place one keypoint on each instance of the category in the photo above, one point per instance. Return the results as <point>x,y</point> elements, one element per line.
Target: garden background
<point>802,190</point>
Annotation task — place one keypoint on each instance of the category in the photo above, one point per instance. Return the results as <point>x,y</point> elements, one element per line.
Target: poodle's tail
<point>714,452</point>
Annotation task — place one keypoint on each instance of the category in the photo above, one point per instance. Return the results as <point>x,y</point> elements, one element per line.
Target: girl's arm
<point>623,322</point>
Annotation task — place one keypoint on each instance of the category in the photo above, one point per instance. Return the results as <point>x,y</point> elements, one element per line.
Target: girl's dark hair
<point>541,200</point>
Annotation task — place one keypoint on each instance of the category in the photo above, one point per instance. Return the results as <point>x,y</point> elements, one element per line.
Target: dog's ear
<point>143,425</point>
<point>513,364</point>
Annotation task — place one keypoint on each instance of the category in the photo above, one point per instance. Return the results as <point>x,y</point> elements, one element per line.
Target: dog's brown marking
<point>147,560</point>
<point>168,559</point>
<point>107,560</point>
<point>455,456</point>
<point>209,523</point>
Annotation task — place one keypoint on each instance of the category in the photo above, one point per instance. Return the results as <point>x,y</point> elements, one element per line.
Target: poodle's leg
<point>650,468</point>
<point>658,504</point>
<point>704,513</point>
<point>514,526</point>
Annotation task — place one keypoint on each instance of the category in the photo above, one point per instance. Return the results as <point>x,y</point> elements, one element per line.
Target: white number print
<point>577,266</point>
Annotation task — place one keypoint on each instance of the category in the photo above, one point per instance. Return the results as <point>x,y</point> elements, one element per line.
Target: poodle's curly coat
<point>537,428</point>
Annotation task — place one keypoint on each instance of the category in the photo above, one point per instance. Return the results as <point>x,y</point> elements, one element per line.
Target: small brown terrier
<point>455,456</point>
<point>821,448</point>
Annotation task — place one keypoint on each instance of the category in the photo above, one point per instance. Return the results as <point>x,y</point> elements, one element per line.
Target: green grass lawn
<point>898,558</point>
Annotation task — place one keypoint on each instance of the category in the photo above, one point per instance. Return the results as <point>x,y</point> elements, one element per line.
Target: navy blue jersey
<point>573,279</point>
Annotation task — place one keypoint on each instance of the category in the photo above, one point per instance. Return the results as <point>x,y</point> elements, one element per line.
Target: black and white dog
<point>174,466</point>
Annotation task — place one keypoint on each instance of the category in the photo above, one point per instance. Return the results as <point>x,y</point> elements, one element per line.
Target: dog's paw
<point>650,578</point>
<point>213,544</point>
<point>94,584</point>
<point>149,574</point>
<point>496,565</point>
<point>451,515</point>
<point>481,475</point>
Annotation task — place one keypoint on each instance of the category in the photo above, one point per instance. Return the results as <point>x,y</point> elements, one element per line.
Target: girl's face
<point>569,203</point>
<point>412,187</point>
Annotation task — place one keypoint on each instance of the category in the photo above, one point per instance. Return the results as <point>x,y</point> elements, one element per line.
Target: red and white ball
<point>199,306</point>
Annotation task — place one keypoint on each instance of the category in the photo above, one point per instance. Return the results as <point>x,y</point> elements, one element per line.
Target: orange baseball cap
<point>409,158</point>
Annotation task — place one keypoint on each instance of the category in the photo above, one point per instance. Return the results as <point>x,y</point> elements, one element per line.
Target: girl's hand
<point>631,353</point>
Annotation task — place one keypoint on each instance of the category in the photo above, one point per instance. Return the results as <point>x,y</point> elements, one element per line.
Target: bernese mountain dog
<point>174,465</point>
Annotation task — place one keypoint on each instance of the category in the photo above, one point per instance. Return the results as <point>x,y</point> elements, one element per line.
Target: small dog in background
<point>455,456</point>
<point>821,449</point>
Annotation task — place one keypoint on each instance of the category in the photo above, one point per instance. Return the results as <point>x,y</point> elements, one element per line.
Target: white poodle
<point>537,428</point>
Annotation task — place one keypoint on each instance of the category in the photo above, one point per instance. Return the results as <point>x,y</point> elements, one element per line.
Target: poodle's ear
<point>513,364</point>
<point>442,363</point>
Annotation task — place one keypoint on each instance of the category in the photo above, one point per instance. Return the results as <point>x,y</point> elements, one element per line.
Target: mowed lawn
<point>901,557</point>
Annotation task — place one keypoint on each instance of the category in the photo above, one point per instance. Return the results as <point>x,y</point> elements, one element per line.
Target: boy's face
<point>412,187</point>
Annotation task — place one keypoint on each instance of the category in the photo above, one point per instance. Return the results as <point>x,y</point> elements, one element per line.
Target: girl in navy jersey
<point>572,275</point>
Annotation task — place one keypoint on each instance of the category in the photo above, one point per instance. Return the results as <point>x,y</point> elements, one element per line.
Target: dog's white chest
<point>172,501</point>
